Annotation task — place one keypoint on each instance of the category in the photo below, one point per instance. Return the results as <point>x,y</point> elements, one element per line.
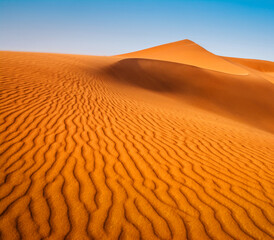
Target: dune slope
<point>215,91</point>
<point>118,148</point>
<point>265,69</point>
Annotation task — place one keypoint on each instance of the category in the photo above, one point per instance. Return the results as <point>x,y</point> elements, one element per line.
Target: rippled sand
<point>172,142</point>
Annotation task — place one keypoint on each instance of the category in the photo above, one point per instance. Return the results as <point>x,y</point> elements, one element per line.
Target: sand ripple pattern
<point>80,159</point>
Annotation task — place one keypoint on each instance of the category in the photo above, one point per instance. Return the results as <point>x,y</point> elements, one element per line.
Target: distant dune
<point>170,142</point>
<point>190,53</point>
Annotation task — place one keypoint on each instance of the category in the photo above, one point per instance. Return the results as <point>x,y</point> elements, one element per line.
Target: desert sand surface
<point>171,142</point>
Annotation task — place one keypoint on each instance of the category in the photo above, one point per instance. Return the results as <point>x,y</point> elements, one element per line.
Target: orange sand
<point>171,142</point>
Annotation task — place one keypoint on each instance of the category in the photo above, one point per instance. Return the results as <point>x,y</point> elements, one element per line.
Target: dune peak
<point>184,41</point>
<point>190,53</point>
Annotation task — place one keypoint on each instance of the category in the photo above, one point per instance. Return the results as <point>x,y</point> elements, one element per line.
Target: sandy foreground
<point>171,142</point>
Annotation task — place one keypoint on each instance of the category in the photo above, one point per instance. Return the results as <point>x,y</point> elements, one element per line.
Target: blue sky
<point>243,28</point>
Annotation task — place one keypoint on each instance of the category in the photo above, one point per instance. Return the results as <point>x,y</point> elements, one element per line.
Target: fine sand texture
<point>171,142</point>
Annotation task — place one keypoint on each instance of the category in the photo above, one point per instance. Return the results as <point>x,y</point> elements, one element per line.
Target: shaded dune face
<point>117,148</point>
<point>246,98</point>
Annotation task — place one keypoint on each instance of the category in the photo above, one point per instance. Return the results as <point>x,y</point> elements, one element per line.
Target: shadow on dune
<point>247,98</point>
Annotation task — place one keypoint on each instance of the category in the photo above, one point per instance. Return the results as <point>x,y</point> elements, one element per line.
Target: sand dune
<point>136,146</point>
<point>190,53</point>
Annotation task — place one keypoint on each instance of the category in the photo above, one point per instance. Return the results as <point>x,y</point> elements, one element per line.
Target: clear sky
<point>240,28</point>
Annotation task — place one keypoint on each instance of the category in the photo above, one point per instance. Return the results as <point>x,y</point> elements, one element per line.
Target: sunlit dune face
<point>148,145</point>
<point>190,53</point>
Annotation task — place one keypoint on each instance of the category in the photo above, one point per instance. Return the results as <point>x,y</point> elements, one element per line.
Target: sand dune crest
<point>187,52</point>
